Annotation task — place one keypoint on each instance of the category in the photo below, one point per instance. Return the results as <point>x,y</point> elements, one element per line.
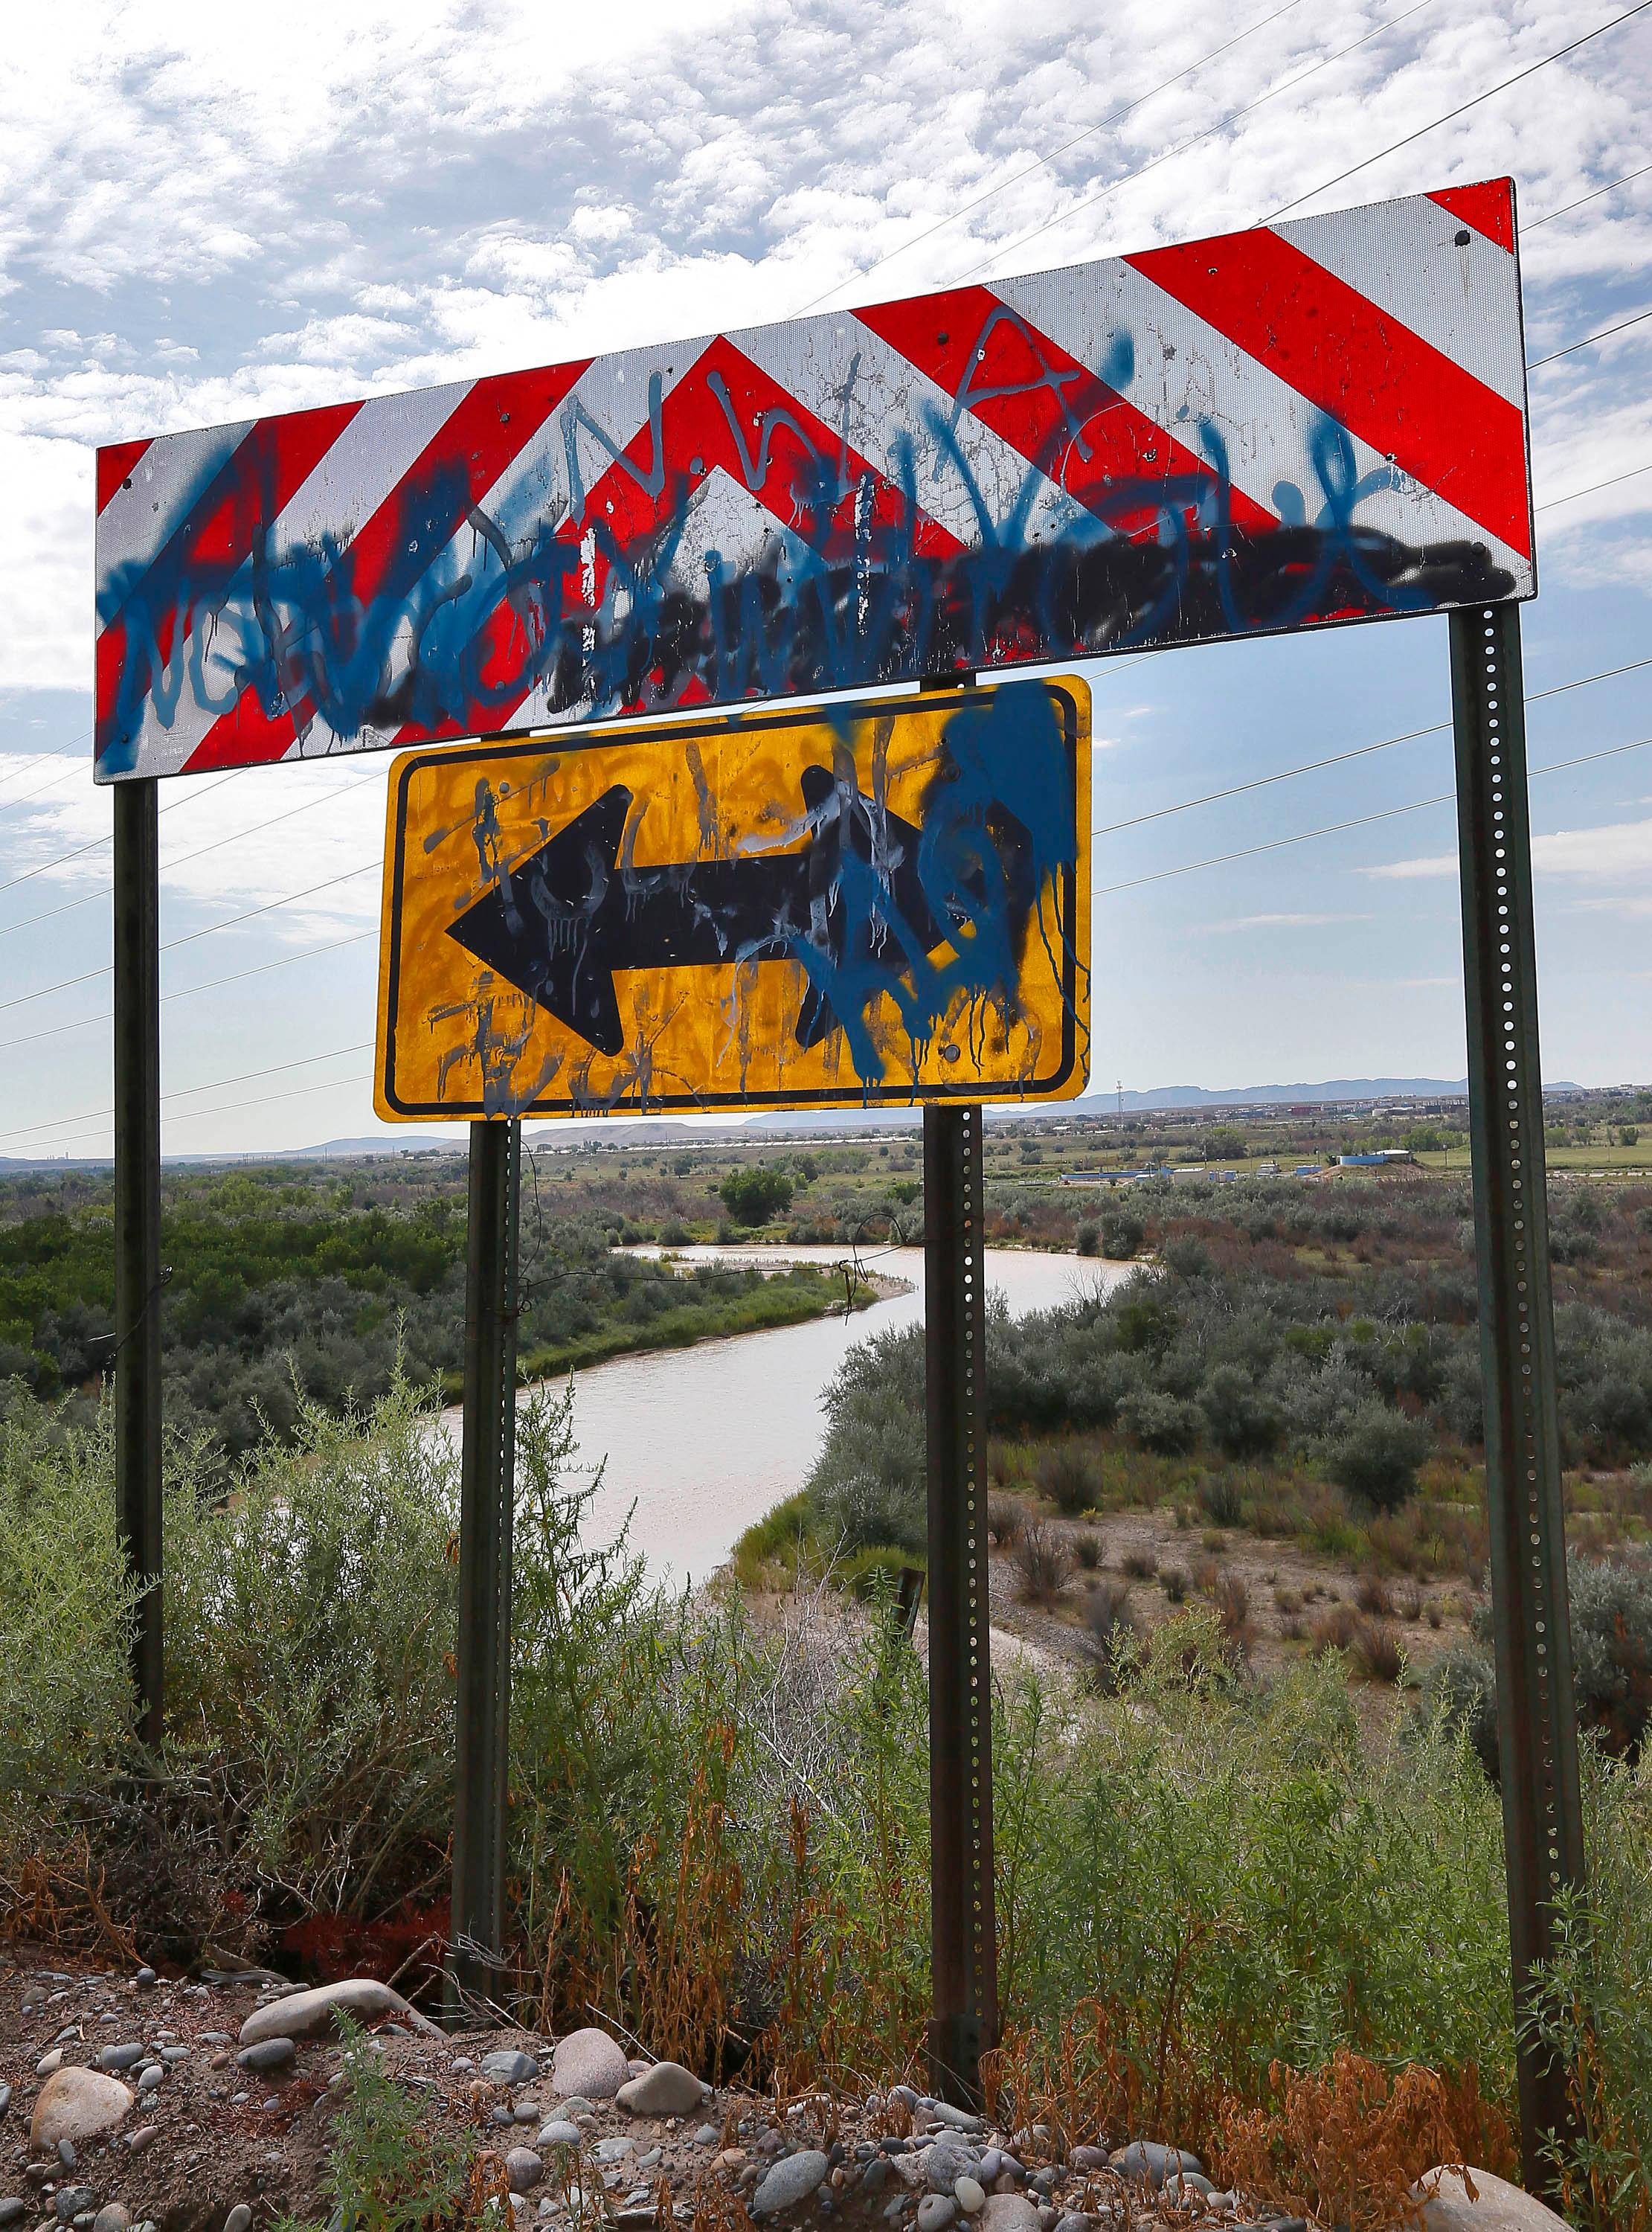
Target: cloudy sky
<point>205,213</point>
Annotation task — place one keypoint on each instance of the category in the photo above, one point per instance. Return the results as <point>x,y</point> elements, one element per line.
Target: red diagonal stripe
<point>1489,207</point>
<point>491,425</point>
<point>697,439</point>
<point>1079,433</point>
<point>1361,366</point>
<point>115,462</point>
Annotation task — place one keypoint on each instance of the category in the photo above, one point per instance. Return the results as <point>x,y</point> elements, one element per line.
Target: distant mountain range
<point>654,1132</point>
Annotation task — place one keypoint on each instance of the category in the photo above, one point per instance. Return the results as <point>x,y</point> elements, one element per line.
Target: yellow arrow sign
<point>860,905</point>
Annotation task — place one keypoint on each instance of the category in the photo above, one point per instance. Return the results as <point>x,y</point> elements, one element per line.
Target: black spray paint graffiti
<point>518,628</point>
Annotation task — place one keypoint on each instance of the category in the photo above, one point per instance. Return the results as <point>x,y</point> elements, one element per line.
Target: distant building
<point>1378,1161</point>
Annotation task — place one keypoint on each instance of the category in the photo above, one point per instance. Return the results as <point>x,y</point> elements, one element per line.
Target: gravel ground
<point>211,2139</point>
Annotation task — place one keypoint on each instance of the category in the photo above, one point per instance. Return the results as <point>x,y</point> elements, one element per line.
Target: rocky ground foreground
<point>208,2106</point>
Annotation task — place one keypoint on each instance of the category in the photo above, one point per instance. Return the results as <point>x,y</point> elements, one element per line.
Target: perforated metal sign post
<point>1301,425</point>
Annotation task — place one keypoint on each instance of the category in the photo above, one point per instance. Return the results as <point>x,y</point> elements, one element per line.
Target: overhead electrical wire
<point>1360,821</point>
<point>188,991</point>
<point>1640,317</point>
<point>230,1108</point>
<point>191,797</point>
<point>1461,109</point>
<point>1043,162</point>
<point>1182,147</point>
<point>188,1092</point>
<point>1359,752</point>
<point>1567,208</point>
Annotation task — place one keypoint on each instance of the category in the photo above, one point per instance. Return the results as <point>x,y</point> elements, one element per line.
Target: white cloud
<point>1613,853</point>
<point>1288,921</point>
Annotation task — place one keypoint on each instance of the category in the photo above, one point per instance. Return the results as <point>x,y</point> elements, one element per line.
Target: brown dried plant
<point>1346,2143</point>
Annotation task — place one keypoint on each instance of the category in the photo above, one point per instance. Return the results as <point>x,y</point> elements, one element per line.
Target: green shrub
<point>1121,1235</point>
<point>755,1193</point>
<point>1163,1422</point>
<point>1087,1238</point>
<point>1070,1477</point>
<point>1378,1455</point>
<point>1243,1422</point>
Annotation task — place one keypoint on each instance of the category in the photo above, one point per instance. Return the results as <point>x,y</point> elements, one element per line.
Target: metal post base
<point>1537,1730</point>
<point>138,1276</point>
<point>963,1931</point>
<point>486,1493</point>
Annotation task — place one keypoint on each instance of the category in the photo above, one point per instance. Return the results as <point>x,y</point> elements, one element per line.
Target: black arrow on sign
<point>562,924</point>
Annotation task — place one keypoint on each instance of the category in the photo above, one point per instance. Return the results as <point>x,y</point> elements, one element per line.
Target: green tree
<point>752,1195</point>
<point>1226,1143</point>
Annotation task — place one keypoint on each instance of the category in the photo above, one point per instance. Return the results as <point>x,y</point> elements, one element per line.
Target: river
<point>702,1441</point>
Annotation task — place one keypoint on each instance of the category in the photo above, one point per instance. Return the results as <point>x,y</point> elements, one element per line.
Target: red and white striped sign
<point>1309,423</point>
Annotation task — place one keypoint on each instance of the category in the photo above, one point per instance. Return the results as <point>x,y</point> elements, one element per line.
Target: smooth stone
<point>707,2136</point>
<point>936,2212</point>
<point>1088,2158</point>
<point>5,2098</point>
<point>77,2104</point>
<point>49,2063</point>
<point>905,2094</point>
<point>956,2119</point>
<point>150,2080</point>
<point>946,2161</point>
<point>1499,2207</point>
<point>667,2089</point>
<point>970,2195</point>
<point>991,2163</point>
<point>268,2054</point>
<point>172,2054</point>
<point>1146,2160</point>
<point>1183,2184</point>
<point>1075,2220</point>
<point>575,2104</point>
<point>589,2063</point>
<point>66,2153</point>
<point>1007,2212</point>
<point>877,2174</point>
<point>145,1976</point>
<point>12,2208</point>
<point>239,2219</point>
<point>73,2201</point>
<point>139,2139</point>
<point>792,2179</point>
<point>309,2015</point>
<point>510,2065</point>
<point>114,2216</point>
<point>559,2132</point>
<point>119,2058</point>
<point>523,2169</point>
<point>614,2149</point>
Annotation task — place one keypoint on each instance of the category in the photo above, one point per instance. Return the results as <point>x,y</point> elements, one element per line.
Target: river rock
<point>309,2015</point>
<point>610,2152</point>
<point>792,2179</point>
<point>1499,2206</point>
<point>936,2212</point>
<point>946,2162</point>
<point>119,2058</point>
<point>667,2089</point>
<point>559,2132</point>
<point>12,2208</point>
<point>77,2104</point>
<point>71,2201</point>
<point>5,2098</point>
<point>269,2053</point>
<point>1007,2212</point>
<point>970,2195</point>
<point>510,2065</point>
<point>239,2219</point>
<point>1075,2220</point>
<point>49,2061</point>
<point>114,2216</point>
<point>958,2119</point>
<point>588,2062</point>
<point>1088,2158</point>
<point>523,2169</point>
<point>1149,2164</point>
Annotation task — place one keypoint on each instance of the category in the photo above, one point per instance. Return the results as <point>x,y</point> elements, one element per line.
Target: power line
<point>188,991</point>
<point>1221,124</point>
<point>92,844</point>
<point>228,1108</point>
<point>1639,317</point>
<point>1043,162</point>
<point>1339,759</point>
<point>1461,109</point>
<point>1360,821</point>
<point>1567,209</point>
<point>188,1092</point>
<point>1594,487</point>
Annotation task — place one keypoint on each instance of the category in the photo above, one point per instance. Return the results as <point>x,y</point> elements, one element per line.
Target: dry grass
<point>1378,1653</point>
<point>1044,1563</point>
<point>1347,2142</point>
<point>1140,1565</point>
<point>1006,1519</point>
<point>1373,1595</point>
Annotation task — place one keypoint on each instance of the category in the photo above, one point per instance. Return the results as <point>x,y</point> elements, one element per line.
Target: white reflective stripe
<point>892,401</point>
<point>138,521</point>
<point>1404,257</point>
<point>611,394</point>
<point>1187,372</point>
<point>365,464</point>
